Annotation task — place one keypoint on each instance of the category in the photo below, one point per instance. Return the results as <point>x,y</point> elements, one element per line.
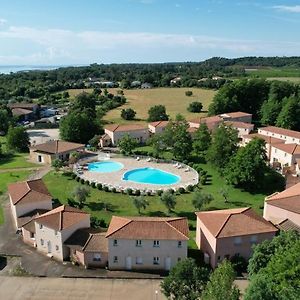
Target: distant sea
<point>18,68</point>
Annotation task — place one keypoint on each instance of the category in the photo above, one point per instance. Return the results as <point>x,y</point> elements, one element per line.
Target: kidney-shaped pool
<point>151,176</point>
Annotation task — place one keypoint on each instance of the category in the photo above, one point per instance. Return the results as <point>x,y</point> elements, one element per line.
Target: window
<point>31,235</point>
<point>155,243</point>
<point>179,244</point>
<point>139,261</point>
<point>253,239</point>
<point>115,242</point>
<point>219,258</point>
<point>138,243</point>
<point>42,242</point>
<point>41,226</point>
<point>179,259</point>
<point>57,248</point>
<point>285,154</point>
<point>156,260</point>
<point>237,240</point>
<point>97,257</point>
<point>115,259</point>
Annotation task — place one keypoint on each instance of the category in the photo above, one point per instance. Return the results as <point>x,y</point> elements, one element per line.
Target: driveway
<point>28,288</point>
<point>39,136</point>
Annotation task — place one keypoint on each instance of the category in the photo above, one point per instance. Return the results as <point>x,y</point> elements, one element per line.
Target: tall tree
<point>202,139</point>
<point>223,146</point>
<point>84,102</point>
<point>5,120</point>
<point>185,281</point>
<point>157,113</point>
<point>220,285</point>
<point>247,168</point>
<point>127,144</point>
<point>17,139</point>
<point>269,111</point>
<point>289,115</point>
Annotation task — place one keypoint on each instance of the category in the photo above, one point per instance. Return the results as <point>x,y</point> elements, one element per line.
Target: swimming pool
<point>151,176</point>
<point>105,166</point>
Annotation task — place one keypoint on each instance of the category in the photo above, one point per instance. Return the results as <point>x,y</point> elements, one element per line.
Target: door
<point>49,247</point>
<point>128,263</point>
<point>40,159</point>
<point>168,263</point>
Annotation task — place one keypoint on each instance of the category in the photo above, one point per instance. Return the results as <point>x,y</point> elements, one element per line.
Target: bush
<point>203,179</point>
<point>171,191</point>
<point>189,93</point>
<point>93,184</point>
<point>195,107</point>
<point>105,188</point>
<point>239,264</point>
<point>87,182</point>
<point>73,176</point>
<point>137,193</point>
<point>98,223</point>
<point>129,191</point>
<point>77,178</point>
<point>181,190</point>
<point>114,190</point>
<point>159,193</point>
<point>148,193</point>
<point>82,181</point>
<point>190,188</point>
<point>99,186</point>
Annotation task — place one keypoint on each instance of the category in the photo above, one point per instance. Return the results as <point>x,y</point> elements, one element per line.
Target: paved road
<point>28,288</point>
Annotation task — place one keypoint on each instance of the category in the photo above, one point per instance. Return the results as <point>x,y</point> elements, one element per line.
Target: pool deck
<point>114,179</point>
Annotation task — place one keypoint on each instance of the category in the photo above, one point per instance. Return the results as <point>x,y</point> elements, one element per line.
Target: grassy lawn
<point>174,99</point>
<point>15,161</point>
<point>61,187</point>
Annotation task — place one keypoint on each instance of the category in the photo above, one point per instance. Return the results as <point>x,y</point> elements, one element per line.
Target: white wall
<point>287,139</point>
<point>140,135</point>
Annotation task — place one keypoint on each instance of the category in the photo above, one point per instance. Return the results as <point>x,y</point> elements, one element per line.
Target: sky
<point>65,32</point>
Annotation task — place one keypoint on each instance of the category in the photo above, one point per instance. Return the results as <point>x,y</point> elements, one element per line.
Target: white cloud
<point>286,8</point>
<point>2,21</point>
<point>57,46</point>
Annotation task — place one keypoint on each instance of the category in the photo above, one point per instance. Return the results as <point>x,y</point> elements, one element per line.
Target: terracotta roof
<point>28,192</point>
<point>268,139</point>
<point>61,217</point>
<point>282,131</point>
<point>287,224</point>
<point>288,148</point>
<point>21,111</point>
<point>236,114</point>
<point>292,191</point>
<point>234,222</point>
<point>22,105</point>
<point>88,240</point>
<point>30,226</point>
<point>126,127</point>
<point>148,228</point>
<point>237,124</point>
<point>213,119</point>
<point>159,123</point>
<point>56,147</point>
<point>22,220</point>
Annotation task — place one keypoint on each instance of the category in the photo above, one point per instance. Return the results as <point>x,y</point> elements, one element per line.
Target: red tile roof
<point>61,217</point>
<point>21,111</point>
<point>58,146</point>
<point>127,127</point>
<point>282,131</point>
<point>268,139</point>
<point>148,228</point>
<point>288,199</point>
<point>159,124</point>
<point>234,222</point>
<point>236,114</point>
<point>288,148</point>
<point>29,192</point>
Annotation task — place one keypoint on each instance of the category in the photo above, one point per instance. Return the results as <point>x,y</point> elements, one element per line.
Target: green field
<point>61,187</point>
<point>276,73</point>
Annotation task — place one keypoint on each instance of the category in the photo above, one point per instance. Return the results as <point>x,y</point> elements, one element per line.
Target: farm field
<point>275,73</point>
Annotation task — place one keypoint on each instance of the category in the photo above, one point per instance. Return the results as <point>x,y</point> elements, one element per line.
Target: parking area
<point>39,136</point>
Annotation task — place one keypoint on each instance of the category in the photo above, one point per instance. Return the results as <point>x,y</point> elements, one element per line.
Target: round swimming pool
<point>151,176</point>
<point>105,166</point>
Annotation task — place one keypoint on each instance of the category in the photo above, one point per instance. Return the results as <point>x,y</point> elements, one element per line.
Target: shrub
<point>181,190</point>
<point>159,192</point>
<point>73,176</point>
<point>114,190</point>
<point>203,179</point>
<point>97,223</point>
<point>137,193</point>
<point>148,193</point>
<point>239,264</point>
<point>82,181</point>
<point>129,191</point>
<point>87,182</point>
<point>188,93</point>
<point>77,178</point>
<point>195,107</point>
<point>185,162</point>
<point>190,188</point>
<point>99,186</point>
<point>171,191</point>
<point>105,188</point>
<point>93,184</point>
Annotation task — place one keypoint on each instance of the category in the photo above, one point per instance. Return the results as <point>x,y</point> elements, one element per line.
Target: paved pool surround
<point>115,179</point>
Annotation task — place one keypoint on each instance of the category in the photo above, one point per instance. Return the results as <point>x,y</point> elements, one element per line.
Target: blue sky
<point>116,31</point>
